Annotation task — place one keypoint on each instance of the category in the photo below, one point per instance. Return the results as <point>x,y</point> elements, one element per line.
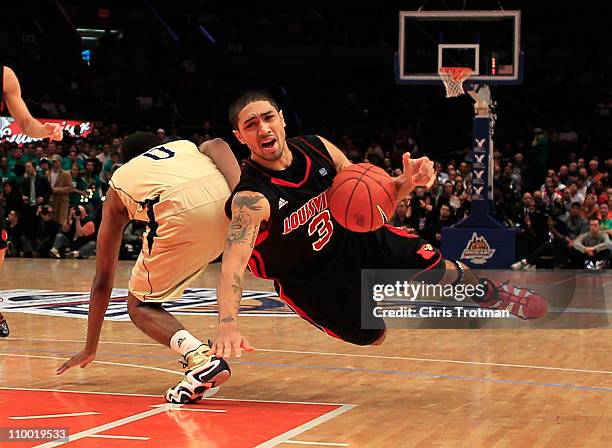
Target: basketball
<point>362,197</point>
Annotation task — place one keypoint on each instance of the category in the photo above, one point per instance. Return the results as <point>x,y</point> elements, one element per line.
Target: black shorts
<point>330,298</point>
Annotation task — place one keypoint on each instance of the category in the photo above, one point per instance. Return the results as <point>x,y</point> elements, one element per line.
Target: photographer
<point>558,246</point>
<point>77,238</point>
<point>47,230</point>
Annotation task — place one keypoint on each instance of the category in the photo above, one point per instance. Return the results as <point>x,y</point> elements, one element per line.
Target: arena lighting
<point>96,32</point>
<point>206,34</point>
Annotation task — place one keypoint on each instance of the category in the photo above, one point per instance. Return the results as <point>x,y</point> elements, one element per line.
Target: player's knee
<point>136,308</point>
<point>139,310</point>
<point>133,306</point>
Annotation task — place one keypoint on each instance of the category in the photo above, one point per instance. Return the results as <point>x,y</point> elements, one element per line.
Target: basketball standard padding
<point>362,197</point>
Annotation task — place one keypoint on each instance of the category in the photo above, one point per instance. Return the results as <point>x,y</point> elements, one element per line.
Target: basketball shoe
<point>203,372</point>
<point>520,302</point>
<point>4,329</point>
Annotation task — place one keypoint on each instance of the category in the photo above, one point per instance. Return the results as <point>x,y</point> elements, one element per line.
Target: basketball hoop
<point>453,78</point>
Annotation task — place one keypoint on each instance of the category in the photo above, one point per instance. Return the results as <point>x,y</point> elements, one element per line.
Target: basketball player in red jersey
<point>316,264</point>
<point>11,95</point>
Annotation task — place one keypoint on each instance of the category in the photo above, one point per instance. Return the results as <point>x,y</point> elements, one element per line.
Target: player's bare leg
<point>203,372</point>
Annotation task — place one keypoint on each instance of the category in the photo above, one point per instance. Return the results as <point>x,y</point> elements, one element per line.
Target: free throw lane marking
<point>76,414</point>
<point>283,438</point>
<point>107,426</point>
<point>103,436</point>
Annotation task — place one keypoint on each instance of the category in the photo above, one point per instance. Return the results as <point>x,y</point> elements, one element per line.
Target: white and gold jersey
<point>158,170</point>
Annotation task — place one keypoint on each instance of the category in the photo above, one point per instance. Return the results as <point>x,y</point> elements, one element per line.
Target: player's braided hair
<point>244,100</point>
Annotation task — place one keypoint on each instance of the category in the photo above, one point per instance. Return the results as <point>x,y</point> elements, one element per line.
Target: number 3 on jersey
<point>323,226</point>
<point>159,153</point>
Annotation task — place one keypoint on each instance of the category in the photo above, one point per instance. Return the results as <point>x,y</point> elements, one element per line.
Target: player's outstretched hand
<point>82,358</point>
<point>229,339</point>
<point>55,131</point>
<point>417,173</point>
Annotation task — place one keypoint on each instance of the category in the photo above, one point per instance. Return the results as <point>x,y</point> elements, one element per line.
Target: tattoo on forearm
<point>250,202</point>
<point>227,320</point>
<point>237,287</point>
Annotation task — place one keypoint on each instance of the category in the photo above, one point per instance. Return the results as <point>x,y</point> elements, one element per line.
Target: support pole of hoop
<point>480,240</point>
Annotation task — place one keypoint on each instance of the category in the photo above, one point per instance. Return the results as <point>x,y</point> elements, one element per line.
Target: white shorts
<point>187,230</point>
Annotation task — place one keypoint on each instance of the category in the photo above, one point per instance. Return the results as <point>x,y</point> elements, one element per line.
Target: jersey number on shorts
<point>322,225</point>
<point>159,153</point>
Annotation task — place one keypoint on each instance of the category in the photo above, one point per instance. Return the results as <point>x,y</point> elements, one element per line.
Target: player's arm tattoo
<point>227,320</point>
<point>237,287</point>
<point>251,202</point>
<point>242,229</point>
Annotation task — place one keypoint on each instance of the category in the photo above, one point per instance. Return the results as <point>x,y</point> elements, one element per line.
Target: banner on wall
<point>12,133</point>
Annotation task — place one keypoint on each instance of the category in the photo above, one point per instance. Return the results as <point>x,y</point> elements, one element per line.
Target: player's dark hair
<point>136,144</point>
<point>244,100</point>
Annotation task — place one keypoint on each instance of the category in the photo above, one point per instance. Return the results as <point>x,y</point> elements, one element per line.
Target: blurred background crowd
<point>127,65</point>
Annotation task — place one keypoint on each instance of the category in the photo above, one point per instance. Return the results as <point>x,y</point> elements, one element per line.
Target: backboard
<point>488,42</point>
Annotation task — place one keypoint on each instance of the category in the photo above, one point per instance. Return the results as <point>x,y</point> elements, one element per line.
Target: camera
<point>45,210</point>
<point>77,211</point>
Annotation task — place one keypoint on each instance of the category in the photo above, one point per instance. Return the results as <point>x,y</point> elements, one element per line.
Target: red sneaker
<point>521,302</point>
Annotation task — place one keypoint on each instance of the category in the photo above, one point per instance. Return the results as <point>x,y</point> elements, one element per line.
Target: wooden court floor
<point>421,388</point>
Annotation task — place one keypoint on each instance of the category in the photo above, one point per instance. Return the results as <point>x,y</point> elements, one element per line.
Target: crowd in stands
<point>52,195</point>
<point>333,73</point>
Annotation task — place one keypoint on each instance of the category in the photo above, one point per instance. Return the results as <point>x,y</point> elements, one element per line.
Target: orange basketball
<point>362,197</point>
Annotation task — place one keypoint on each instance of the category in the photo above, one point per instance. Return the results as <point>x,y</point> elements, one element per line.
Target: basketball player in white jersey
<point>180,191</point>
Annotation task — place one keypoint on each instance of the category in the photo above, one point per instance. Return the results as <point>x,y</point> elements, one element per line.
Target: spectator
<point>605,218</point>
<point>93,188</point>
<point>448,197</point>
<point>576,224</point>
<point>16,158</point>
<point>36,191</point>
<point>77,238</point>
<point>400,217</point>
<point>18,242</point>
<point>595,246</point>
<point>421,211</point>
<point>563,174</point>
<point>47,229</point>
<point>72,158</point>
<point>441,176</point>
<point>445,219</point>
<point>589,207</point>
<point>576,196</point>
<point>6,174</point>
<point>39,154</point>
<point>10,197</point>
<point>108,166</point>
<point>34,187</point>
<point>104,156</point>
<point>559,247</point>
<point>78,192</point>
<point>61,187</point>
<point>594,174</point>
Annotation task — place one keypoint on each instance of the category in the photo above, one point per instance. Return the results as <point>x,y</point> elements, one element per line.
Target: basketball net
<point>453,78</point>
